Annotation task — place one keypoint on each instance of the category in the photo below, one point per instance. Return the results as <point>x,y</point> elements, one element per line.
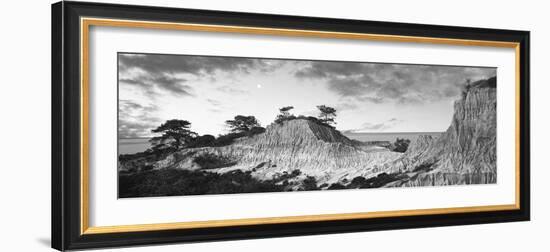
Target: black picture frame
<point>66,134</point>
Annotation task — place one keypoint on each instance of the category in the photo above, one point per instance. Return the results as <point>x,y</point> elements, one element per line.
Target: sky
<point>208,90</point>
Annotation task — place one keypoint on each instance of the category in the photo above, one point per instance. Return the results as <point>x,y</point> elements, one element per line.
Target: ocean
<point>387,136</point>
<point>134,145</point>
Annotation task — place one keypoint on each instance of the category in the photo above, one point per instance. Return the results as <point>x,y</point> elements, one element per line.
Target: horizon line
<point>343,132</point>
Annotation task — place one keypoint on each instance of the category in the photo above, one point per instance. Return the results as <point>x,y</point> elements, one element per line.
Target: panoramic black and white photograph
<point>196,125</point>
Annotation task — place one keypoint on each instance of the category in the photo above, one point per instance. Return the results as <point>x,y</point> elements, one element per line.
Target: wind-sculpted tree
<point>284,114</point>
<point>285,111</point>
<point>327,114</point>
<point>176,131</point>
<point>241,124</point>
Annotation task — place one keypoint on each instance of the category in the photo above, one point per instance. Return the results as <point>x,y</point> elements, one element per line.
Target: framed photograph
<point>182,125</point>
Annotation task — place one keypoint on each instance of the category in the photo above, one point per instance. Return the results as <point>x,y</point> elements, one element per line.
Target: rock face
<point>465,153</point>
<point>314,149</point>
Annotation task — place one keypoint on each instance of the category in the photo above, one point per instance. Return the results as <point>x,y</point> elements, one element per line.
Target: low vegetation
<point>213,161</point>
<point>172,182</point>
<point>374,182</point>
<point>400,145</point>
<point>309,184</point>
<point>361,182</point>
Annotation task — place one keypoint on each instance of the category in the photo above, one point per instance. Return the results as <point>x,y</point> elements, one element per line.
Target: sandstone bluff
<point>464,154</point>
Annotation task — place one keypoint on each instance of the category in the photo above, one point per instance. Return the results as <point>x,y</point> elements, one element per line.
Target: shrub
<point>168,182</point>
<point>227,139</point>
<point>281,119</point>
<point>147,168</point>
<point>400,145</point>
<point>285,176</point>
<point>357,182</point>
<point>374,182</point>
<point>380,180</point>
<point>309,184</point>
<point>202,141</point>
<point>255,131</point>
<point>212,161</point>
<point>336,186</point>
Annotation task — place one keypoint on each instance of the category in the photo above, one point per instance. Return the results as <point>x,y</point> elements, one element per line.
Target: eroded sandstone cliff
<point>465,153</point>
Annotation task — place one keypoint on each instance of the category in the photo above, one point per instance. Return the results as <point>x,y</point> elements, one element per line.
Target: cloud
<point>213,102</point>
<point>155,73</point>
<point>159,64</point>
<point>346,106</point>
<point>398,83</point>
<point>151,84</point>
<point>215,106</point>
<point>231,90</point>
<point>381,126</point>
<point>375,100</point>
<point>136,120</point>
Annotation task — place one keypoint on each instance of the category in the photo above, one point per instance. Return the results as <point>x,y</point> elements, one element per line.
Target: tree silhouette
<point>285,111</point>
<point>176,130</point>
<point>284,114</point>
<point>242,123</point>
<point>327,114</point>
